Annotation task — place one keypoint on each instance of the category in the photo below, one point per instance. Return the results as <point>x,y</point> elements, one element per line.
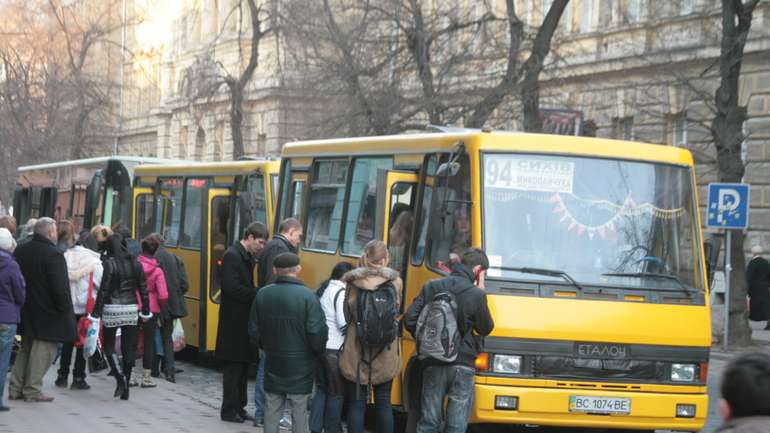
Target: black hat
<point>285,260</point>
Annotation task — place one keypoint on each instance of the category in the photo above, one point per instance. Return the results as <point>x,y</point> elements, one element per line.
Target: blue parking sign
<point>728,205</point>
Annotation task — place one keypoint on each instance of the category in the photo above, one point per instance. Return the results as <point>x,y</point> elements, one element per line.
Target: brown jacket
<point>752,424</point>
<point>388,363</point>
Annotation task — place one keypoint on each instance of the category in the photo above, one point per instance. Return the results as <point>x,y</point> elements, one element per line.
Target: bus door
<point>396,194</point>
<point>221,236</point>
<point>145,221</point>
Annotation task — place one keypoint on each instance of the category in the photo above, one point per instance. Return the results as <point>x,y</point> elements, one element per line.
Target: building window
<point>631,11</point>
<point>685,7</point>
<point>586,16</point>
<point>679,130</point>
<point>623,128</point>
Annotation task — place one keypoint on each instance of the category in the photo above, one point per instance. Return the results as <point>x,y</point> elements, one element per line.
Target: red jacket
<point>156,284</point>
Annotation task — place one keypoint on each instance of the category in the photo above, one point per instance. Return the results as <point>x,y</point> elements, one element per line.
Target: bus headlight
<point>683,372</point>
<point>508,364</point>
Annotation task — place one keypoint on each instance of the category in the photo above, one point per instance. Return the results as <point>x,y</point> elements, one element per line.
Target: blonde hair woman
<point>366,366</point>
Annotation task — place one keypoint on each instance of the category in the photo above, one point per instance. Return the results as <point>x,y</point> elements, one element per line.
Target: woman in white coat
<point>85,268</point>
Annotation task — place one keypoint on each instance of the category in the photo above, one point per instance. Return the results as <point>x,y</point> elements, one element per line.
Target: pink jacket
<point>156,284</point>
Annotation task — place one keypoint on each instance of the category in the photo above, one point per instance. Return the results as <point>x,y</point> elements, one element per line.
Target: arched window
<point>200,144</point>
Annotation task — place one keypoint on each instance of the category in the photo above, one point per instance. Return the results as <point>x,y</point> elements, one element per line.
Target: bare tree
<point>727,131</point>
<point>389,66</point>
<point>203,80</point>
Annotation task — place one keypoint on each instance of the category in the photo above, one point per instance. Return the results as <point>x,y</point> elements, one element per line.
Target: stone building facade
<point>642,70</point>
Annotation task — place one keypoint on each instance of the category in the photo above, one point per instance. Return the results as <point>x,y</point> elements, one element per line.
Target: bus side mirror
<point>711,248</point>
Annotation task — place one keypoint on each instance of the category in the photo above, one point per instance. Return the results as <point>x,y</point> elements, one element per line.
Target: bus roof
<point>102,160</point>
<point>489,141</point>
<point>211,168</point>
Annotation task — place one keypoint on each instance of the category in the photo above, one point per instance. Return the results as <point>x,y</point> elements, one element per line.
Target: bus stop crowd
<point>319,352</point>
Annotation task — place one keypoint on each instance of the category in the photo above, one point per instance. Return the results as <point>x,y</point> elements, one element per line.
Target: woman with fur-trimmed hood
<point>372,273</point>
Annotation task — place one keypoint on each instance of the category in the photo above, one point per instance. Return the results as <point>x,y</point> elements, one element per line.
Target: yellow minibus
<point>597,281</point>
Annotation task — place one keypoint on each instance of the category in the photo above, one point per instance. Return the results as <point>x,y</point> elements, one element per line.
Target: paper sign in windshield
<point>529,174</point>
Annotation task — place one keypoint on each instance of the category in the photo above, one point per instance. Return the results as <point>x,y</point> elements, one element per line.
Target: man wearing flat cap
<point>288,324</point>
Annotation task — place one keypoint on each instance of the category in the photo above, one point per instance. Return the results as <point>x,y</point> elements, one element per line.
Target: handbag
<point>117,315</point>
<point>98,361</point>
<point>85,322</point>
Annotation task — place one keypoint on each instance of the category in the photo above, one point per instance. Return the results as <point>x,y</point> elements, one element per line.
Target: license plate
<point>605,405</point>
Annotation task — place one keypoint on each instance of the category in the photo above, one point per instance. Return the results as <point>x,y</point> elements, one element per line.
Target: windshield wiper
<point>682,285</point>
<point>546,272</point>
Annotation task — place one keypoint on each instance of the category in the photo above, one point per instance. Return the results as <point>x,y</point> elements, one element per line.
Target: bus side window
<point>191,235</point>
<point>220,238</point>
<point>450,233</point>
<point>424,216</point>
<point>362,213</point>
<point>144,222</point>
<point>171,190</point>
<point>297,189</point>
<point>327,200</point>
<point>251,204</point>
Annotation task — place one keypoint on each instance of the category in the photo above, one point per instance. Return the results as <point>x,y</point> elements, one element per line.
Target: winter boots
<point>147,380</point>
<point>121,378</point>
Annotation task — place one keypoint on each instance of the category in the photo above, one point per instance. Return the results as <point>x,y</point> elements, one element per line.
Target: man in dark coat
<point>454,380</point>
<point>286,241</point>
<point>177,284</point>
<point>233,344</point>
<point>46,317</point>
<point>758,279</point>
<point>288,324</point>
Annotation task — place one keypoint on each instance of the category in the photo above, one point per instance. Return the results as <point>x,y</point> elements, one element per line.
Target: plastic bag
<point>92,336</point>
<point>177,336</point>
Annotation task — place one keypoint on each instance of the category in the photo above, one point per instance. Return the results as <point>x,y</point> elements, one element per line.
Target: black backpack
<point>377,321</point>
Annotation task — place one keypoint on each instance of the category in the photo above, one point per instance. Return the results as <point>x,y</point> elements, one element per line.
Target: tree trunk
<point>727,132</point>
<point>530,85</point>
<point>236,119</point>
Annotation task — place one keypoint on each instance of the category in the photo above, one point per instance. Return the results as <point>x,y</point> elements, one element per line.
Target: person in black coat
<point>46,317</point>
<point>175,308</point>
<point>758,279</point>
<point>286,241</point>
<point>233,343</point>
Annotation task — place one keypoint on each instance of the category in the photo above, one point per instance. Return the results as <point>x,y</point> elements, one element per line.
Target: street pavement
<point>192,404</point>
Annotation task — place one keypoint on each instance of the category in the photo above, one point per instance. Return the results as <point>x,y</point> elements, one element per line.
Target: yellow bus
<point>597,278</point>
<point>202,209</point>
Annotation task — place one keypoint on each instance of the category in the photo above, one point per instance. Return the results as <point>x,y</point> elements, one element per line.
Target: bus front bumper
<point>551,407</point>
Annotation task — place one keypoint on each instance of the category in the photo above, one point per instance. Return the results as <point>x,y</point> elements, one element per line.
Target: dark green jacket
<point>288,324</point>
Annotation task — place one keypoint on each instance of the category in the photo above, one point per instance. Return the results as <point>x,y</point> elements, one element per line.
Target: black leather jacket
<point>121,279</point>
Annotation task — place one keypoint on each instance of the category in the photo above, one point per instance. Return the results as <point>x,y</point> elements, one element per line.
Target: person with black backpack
<point>443,319</point>
<point>371,355</point>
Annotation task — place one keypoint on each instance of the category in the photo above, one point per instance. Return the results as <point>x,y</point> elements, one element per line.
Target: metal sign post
<point>728,271</point>
<point>728,208</point>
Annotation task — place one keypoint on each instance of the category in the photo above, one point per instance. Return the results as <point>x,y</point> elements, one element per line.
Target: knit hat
<point>7,242</point>
<point>285,260</point>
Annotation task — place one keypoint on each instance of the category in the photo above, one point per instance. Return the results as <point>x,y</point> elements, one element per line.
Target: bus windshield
<point>603,222</point>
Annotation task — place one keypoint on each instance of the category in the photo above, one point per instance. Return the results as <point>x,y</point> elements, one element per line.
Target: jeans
<point>326,407</point>
<point>7,335</point>
<point>274,411</point>
<point>357,397</point>
<point>259,390</point>
<point>79,372</point>
<point>148,333</point>
<point>454,382</point>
